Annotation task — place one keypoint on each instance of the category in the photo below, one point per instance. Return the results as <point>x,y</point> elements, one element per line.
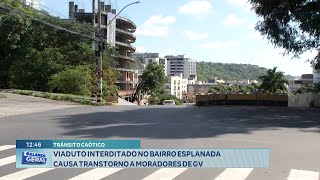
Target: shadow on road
<point>179,123</point>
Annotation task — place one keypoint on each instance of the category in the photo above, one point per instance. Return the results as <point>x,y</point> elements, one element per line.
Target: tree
<point>36,56</point>
<point>273,81</point>
<point>314,88</point>
<point>72,81</point>
<point>291,24</point>
<point>151,81</point>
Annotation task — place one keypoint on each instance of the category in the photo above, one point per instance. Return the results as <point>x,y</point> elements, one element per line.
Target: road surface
<point>293,136</point>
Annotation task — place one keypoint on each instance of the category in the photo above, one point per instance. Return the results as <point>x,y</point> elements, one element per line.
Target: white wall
<point>316,75</point>
<point>184,87</point>
<point>176,86</point>
<point>304,100</point>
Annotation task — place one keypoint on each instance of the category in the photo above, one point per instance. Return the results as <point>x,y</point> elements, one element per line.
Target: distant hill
<point>208,70</point>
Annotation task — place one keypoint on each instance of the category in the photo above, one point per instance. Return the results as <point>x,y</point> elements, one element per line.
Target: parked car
<point>169,103</point>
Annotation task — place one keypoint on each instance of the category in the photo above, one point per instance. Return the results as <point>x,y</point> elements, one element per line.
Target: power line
<point>46,23</point>
<point>52,10</point>
<point>5,19</point>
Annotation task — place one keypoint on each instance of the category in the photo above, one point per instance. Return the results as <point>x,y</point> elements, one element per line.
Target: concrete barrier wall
<point>242,99</point>
<point>304,100</point>
<point>112,99</point>
<point>317,100</point>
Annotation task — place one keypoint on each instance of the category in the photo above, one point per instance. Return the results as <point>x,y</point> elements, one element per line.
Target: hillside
<point>207,70</point>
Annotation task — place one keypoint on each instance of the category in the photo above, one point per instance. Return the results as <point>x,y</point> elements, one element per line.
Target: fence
<point>242,99</point>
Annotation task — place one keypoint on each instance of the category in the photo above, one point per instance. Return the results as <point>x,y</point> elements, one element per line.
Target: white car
<point>169,103</point>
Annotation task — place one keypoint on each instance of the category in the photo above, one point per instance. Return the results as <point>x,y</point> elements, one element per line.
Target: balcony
<point>124,69</point>
<point>125,80</point>
<point>126,46</point>
<point>125,58</point>
<point>128,35</point>
<point>125,23</point>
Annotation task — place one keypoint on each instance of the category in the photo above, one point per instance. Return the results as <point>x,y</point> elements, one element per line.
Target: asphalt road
<point>293,136</point>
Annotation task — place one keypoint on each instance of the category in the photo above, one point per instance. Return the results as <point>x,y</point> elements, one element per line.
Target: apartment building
<point>241,82</point>
<point>155,57</point>
<point>176,85</point>
<point>119,33</point>
<point>296,83</point>
<point>180,65</point>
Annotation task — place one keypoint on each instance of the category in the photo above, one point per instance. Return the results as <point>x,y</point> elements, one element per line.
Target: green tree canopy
<point>151,81</point>
<point>37,56</point>
<point>291,24</point>
<point>273,81</point>
<point>314,88</point>
<point>225,89</point>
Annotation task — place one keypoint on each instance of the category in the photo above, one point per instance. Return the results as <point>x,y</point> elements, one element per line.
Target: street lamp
<point>137,2</point>
<point>99,52</point>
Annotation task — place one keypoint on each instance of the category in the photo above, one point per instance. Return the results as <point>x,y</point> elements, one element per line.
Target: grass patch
<point>2,96</point>
<point>62,97</point>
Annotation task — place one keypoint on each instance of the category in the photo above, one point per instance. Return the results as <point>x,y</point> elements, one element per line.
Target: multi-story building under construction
<point>119,34</point>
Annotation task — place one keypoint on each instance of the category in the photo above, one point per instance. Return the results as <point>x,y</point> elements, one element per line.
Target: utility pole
<point>101,43</point>
<point>94,18</point>
<point>99,55</point>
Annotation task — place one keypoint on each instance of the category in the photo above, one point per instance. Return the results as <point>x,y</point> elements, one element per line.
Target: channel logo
<point>33,158</point>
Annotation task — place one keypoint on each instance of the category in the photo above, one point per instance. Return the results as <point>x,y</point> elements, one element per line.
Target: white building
<point>173,86</point>
<point>181,65</point>
<point>154,57</point>
<point>184,87</point>
<point>296,83</point>
<point>316,75</point>
<point>31,3</point>
<point>176,85</point>
<point>241,82</point>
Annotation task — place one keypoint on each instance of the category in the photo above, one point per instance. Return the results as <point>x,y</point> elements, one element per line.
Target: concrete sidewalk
<point>15,104</point>
<point>123,102</point>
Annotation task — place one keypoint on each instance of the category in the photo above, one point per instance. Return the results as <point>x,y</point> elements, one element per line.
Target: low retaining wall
<point>242,99</point>
<point>112,99</point>
<point>304,100</point>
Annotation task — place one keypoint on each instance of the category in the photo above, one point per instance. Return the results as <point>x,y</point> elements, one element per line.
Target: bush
<point>109,90</point>
<point>314,88</point>
<point>154,100</point>
<point>23,92</point>
<point>72,81</point>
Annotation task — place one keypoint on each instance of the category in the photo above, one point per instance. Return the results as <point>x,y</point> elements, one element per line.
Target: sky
<point>204,30</point>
